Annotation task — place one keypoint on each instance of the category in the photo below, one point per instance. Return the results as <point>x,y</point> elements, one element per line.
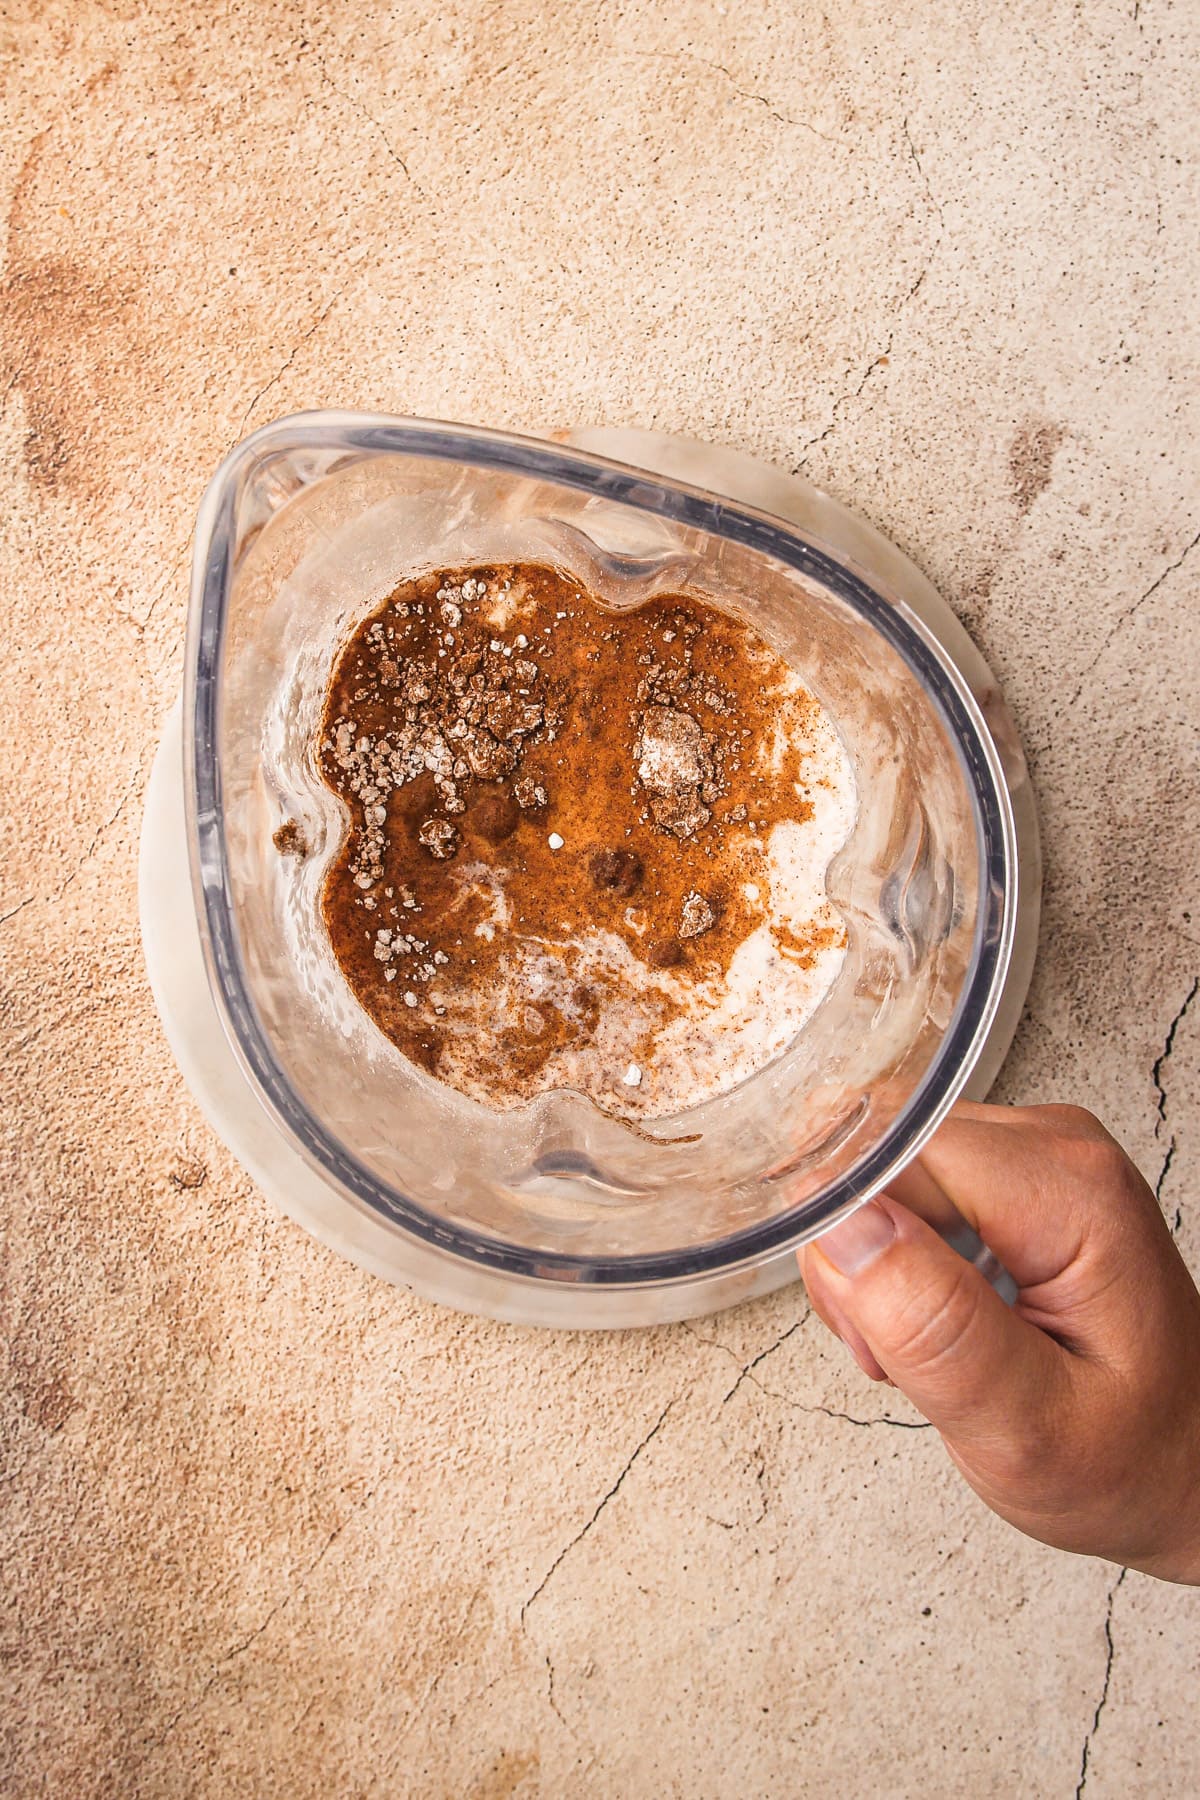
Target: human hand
<point>1075,1415</point>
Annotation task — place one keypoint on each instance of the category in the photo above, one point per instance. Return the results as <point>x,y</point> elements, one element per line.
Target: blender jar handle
<point>964,1239</point>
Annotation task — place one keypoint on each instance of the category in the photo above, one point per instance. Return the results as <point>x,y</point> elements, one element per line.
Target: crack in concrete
<point>104,826</point>
<point>1129,612</point>
<point>280,1605</point>
<point>292,355</point>
<point>297,1723</point>
<point>746,1372</point>
<point>936,205</point>
<point>138,626</point>
<point>760,1481</point>
<point>612,1492</point>
<point>1160,1186</point>
<point>1102,1702</point>
<point>709,1343</point>
<point>757,1464</point>
<point>1160,1086</point>
<point>911,294</point>
<point>1165,1056</point>
<point>352,100</point>
<point>19,907</point>
<point>782,118</point>
<point>876,362</point>
<point>171,577</point>
<point>929,194</point>
<point>471,1698</point>
<point>880,360</point>
<point>554,1706</point>
<point>15,381</point>
<point>833,1412</point>
<point>421,1706</point>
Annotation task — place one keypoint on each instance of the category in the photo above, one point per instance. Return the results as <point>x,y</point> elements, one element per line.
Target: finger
<point>841,1327</point>
<point>916,1188</point>
<point>947,1340</point>
<point>1002,1175</point>
<point>1058,1201</point>
<point>1040,1184</point>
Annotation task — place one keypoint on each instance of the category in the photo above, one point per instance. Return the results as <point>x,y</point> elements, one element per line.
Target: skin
<point>1075,1415</point>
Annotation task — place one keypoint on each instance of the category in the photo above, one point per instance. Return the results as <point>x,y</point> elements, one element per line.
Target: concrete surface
<point>270,1527</point>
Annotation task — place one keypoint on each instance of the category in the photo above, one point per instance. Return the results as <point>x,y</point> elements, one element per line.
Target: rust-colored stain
<point>44,1397</point>
<point>511,1771</point>
<point>69,344</point>
<point>1031,462</point>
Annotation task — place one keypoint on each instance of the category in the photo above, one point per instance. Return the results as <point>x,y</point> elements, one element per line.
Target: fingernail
<point>855,1243</point>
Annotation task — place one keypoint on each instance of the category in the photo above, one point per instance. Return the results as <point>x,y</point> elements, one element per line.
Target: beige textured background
<point>270,1527</point>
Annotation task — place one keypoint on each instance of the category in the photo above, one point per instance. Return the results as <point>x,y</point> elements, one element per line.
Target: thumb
<point>973,1367</point>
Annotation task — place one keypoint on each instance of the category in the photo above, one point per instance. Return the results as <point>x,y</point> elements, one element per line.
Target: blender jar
<point>556,1211</point>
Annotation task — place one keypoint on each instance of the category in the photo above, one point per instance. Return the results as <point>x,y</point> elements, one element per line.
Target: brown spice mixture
<point>521,762</point>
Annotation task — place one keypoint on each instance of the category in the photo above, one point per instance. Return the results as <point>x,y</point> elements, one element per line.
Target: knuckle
<point>1084,1148</point>
<point>1102,1164</point>
<point>1073,1122</point>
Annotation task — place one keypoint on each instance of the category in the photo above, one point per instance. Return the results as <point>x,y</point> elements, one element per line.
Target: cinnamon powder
<point>530,774</point>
